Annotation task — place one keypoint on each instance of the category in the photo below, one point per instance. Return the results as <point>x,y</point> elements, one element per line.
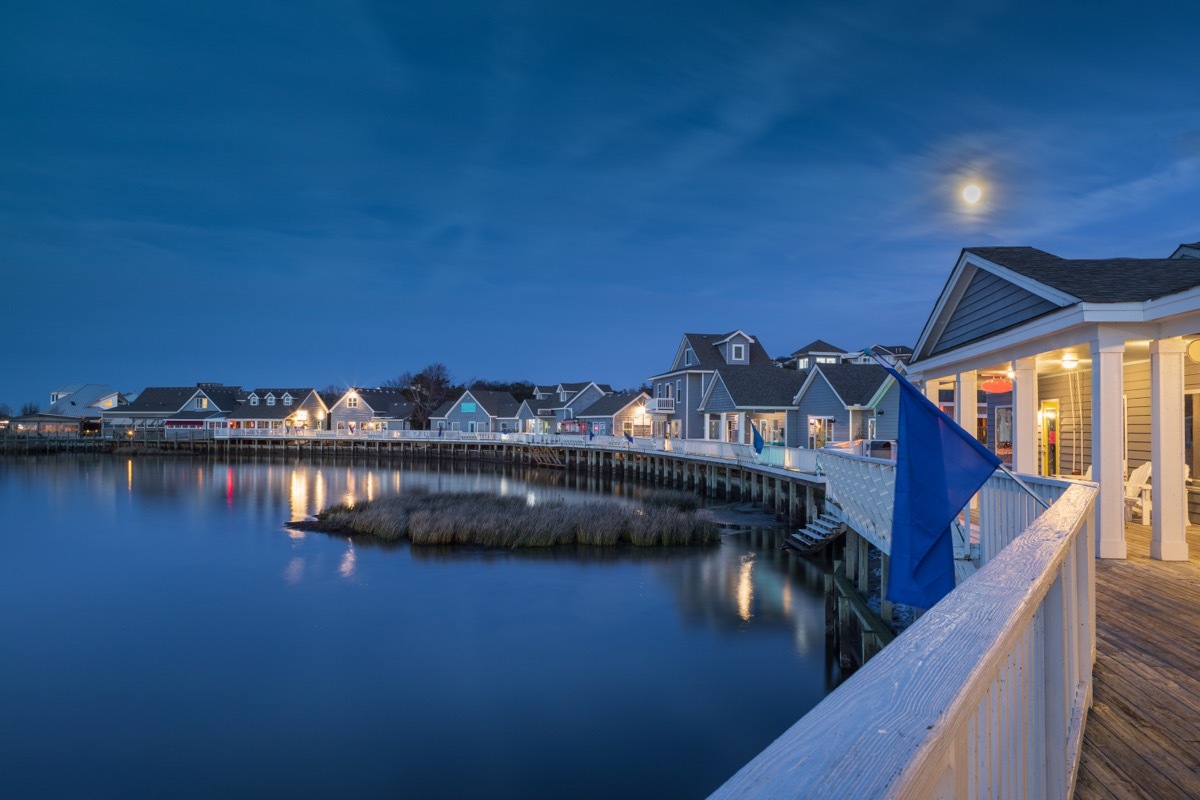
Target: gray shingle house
<point>758,396</point>
<point>618,414</point>
<point>280,409</point>
<point>678,392</point>
<point>844,402</point>
<point>478,411</point>
<point>555,409</point>
<point>201,406</point>
<point>371,411</point>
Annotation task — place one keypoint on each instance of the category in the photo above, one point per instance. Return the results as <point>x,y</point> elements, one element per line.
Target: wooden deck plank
<point>1142,738</point>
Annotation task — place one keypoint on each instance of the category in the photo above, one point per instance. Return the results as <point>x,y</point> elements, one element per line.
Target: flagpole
<point>1002,468</point>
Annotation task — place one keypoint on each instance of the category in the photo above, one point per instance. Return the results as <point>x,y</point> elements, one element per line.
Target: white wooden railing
<point>792,459</point>
<point>984,696</point>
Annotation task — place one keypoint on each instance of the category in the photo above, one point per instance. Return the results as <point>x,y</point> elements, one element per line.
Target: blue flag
<point>629,438</point>
<point>939,467</point>
<point>758,440</point>
<point>591,432</point>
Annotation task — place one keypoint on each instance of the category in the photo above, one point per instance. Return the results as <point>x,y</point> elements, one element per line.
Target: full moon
<point>971,194</point>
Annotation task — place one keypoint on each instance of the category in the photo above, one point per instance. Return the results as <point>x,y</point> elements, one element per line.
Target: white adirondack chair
<point>1137,493</point>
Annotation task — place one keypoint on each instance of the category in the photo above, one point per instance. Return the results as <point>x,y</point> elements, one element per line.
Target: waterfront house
<point>738,398</point>
<point>189,406</point>
<point>678,392</point>
<point>618,414</point>
<point>1095,363</point>
<point>281,410</point>
<point>74,409</point>
<point>478,411</point>
<point>844,402</point>
<point>555,409</point>
<point>371,411</point>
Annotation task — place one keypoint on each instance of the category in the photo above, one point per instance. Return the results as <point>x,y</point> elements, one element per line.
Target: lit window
<point>201,402</point>
<point>351,402</point>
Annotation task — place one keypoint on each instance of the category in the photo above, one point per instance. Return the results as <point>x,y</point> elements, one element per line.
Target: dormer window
<point>802,363</point>
<point>270,399</point>
<point>737,352</point>
<point>287,399</point>
<point>253,399</point>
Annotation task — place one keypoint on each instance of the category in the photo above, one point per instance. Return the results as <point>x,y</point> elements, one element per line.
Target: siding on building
<point>821,401</point>
<point>719,401</point>
<point>990,304</point>
<point>585,398</point>
<point>887,414</point>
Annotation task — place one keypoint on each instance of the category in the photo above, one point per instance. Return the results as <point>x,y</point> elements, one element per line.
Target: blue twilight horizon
<point>278,194</point>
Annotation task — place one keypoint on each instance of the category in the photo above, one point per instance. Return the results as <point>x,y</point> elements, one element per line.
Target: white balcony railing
<point>661,405</point>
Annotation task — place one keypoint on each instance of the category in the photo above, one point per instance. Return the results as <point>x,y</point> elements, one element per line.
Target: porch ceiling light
<point>997,385</point>
<point>1069,361</point>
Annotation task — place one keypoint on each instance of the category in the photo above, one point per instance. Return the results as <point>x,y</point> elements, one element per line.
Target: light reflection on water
<point>692,659</point>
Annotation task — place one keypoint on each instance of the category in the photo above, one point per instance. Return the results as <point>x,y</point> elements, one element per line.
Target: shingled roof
<point>856,384</point>
<point>708,357</point>
<point>497,404</point>
<point>762,387</point>
<point>818,346</point>
<point>1109,280</point>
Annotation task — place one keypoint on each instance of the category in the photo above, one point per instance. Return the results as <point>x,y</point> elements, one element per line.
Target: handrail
<point>985,695</point>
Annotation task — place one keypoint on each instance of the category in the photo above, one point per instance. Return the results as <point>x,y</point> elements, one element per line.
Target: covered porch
<point>1116,404</point>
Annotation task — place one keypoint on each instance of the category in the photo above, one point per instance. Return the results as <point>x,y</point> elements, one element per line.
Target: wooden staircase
<point>546,457</point>
<point>818,533</point>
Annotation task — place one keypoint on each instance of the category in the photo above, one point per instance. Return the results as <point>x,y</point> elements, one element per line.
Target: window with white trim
<point>270,399</point>
<point>737,352</point>
<point>253,399</point>
<point>287,399</point>
<point>351,402</point>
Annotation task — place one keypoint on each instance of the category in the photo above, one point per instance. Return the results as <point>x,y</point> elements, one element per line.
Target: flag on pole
<point>758,440</point>
<point>939,468</point>
<point>591,429</point>
<point>629,438</point>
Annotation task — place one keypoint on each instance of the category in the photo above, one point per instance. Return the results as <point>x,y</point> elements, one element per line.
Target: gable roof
<point>160,400</point>
<point>761,387</point>
<point>1107,280</point>
<point>818,346</point>
<point>82,399</point>
<point>709,358</point>
<point>854,384</point>
<point>497,404</point>
<point>612,404</point>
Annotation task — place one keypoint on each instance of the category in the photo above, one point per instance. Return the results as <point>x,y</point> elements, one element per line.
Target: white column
<point>1025,402</point>
<point>742,426</point>
<point>966,403</point>
<point>1108,447</point>
<point>706,426</point>
<point>1168,540</point>
<point>932,386</point>
<point>721,434</point>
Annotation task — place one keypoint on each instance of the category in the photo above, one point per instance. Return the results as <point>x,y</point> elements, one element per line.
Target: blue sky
<point>302,194</point>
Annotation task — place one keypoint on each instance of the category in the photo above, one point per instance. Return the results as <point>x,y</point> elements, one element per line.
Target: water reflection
<point>504,652</point>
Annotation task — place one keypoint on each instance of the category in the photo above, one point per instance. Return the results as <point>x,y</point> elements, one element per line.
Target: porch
<point>1144,725</point>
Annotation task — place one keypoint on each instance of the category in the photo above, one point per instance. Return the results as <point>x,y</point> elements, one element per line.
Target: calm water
<point>164,635</point>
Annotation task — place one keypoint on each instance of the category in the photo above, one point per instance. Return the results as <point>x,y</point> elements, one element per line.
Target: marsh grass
<point>661,519</point>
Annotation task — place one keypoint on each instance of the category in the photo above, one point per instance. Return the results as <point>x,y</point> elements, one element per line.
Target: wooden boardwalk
<point>1142,737</point>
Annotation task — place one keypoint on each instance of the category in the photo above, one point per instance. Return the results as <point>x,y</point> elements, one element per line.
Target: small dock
<point>1142,738</point>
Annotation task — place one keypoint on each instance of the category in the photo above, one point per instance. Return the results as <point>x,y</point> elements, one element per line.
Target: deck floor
<point>1142,737</point>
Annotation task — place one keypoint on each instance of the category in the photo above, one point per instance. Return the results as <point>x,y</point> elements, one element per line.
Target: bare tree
<point>428,389</point>
<point>402,381</point>
<point>332,388</point>
<point>29,408</point>
<point>6,411</point>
